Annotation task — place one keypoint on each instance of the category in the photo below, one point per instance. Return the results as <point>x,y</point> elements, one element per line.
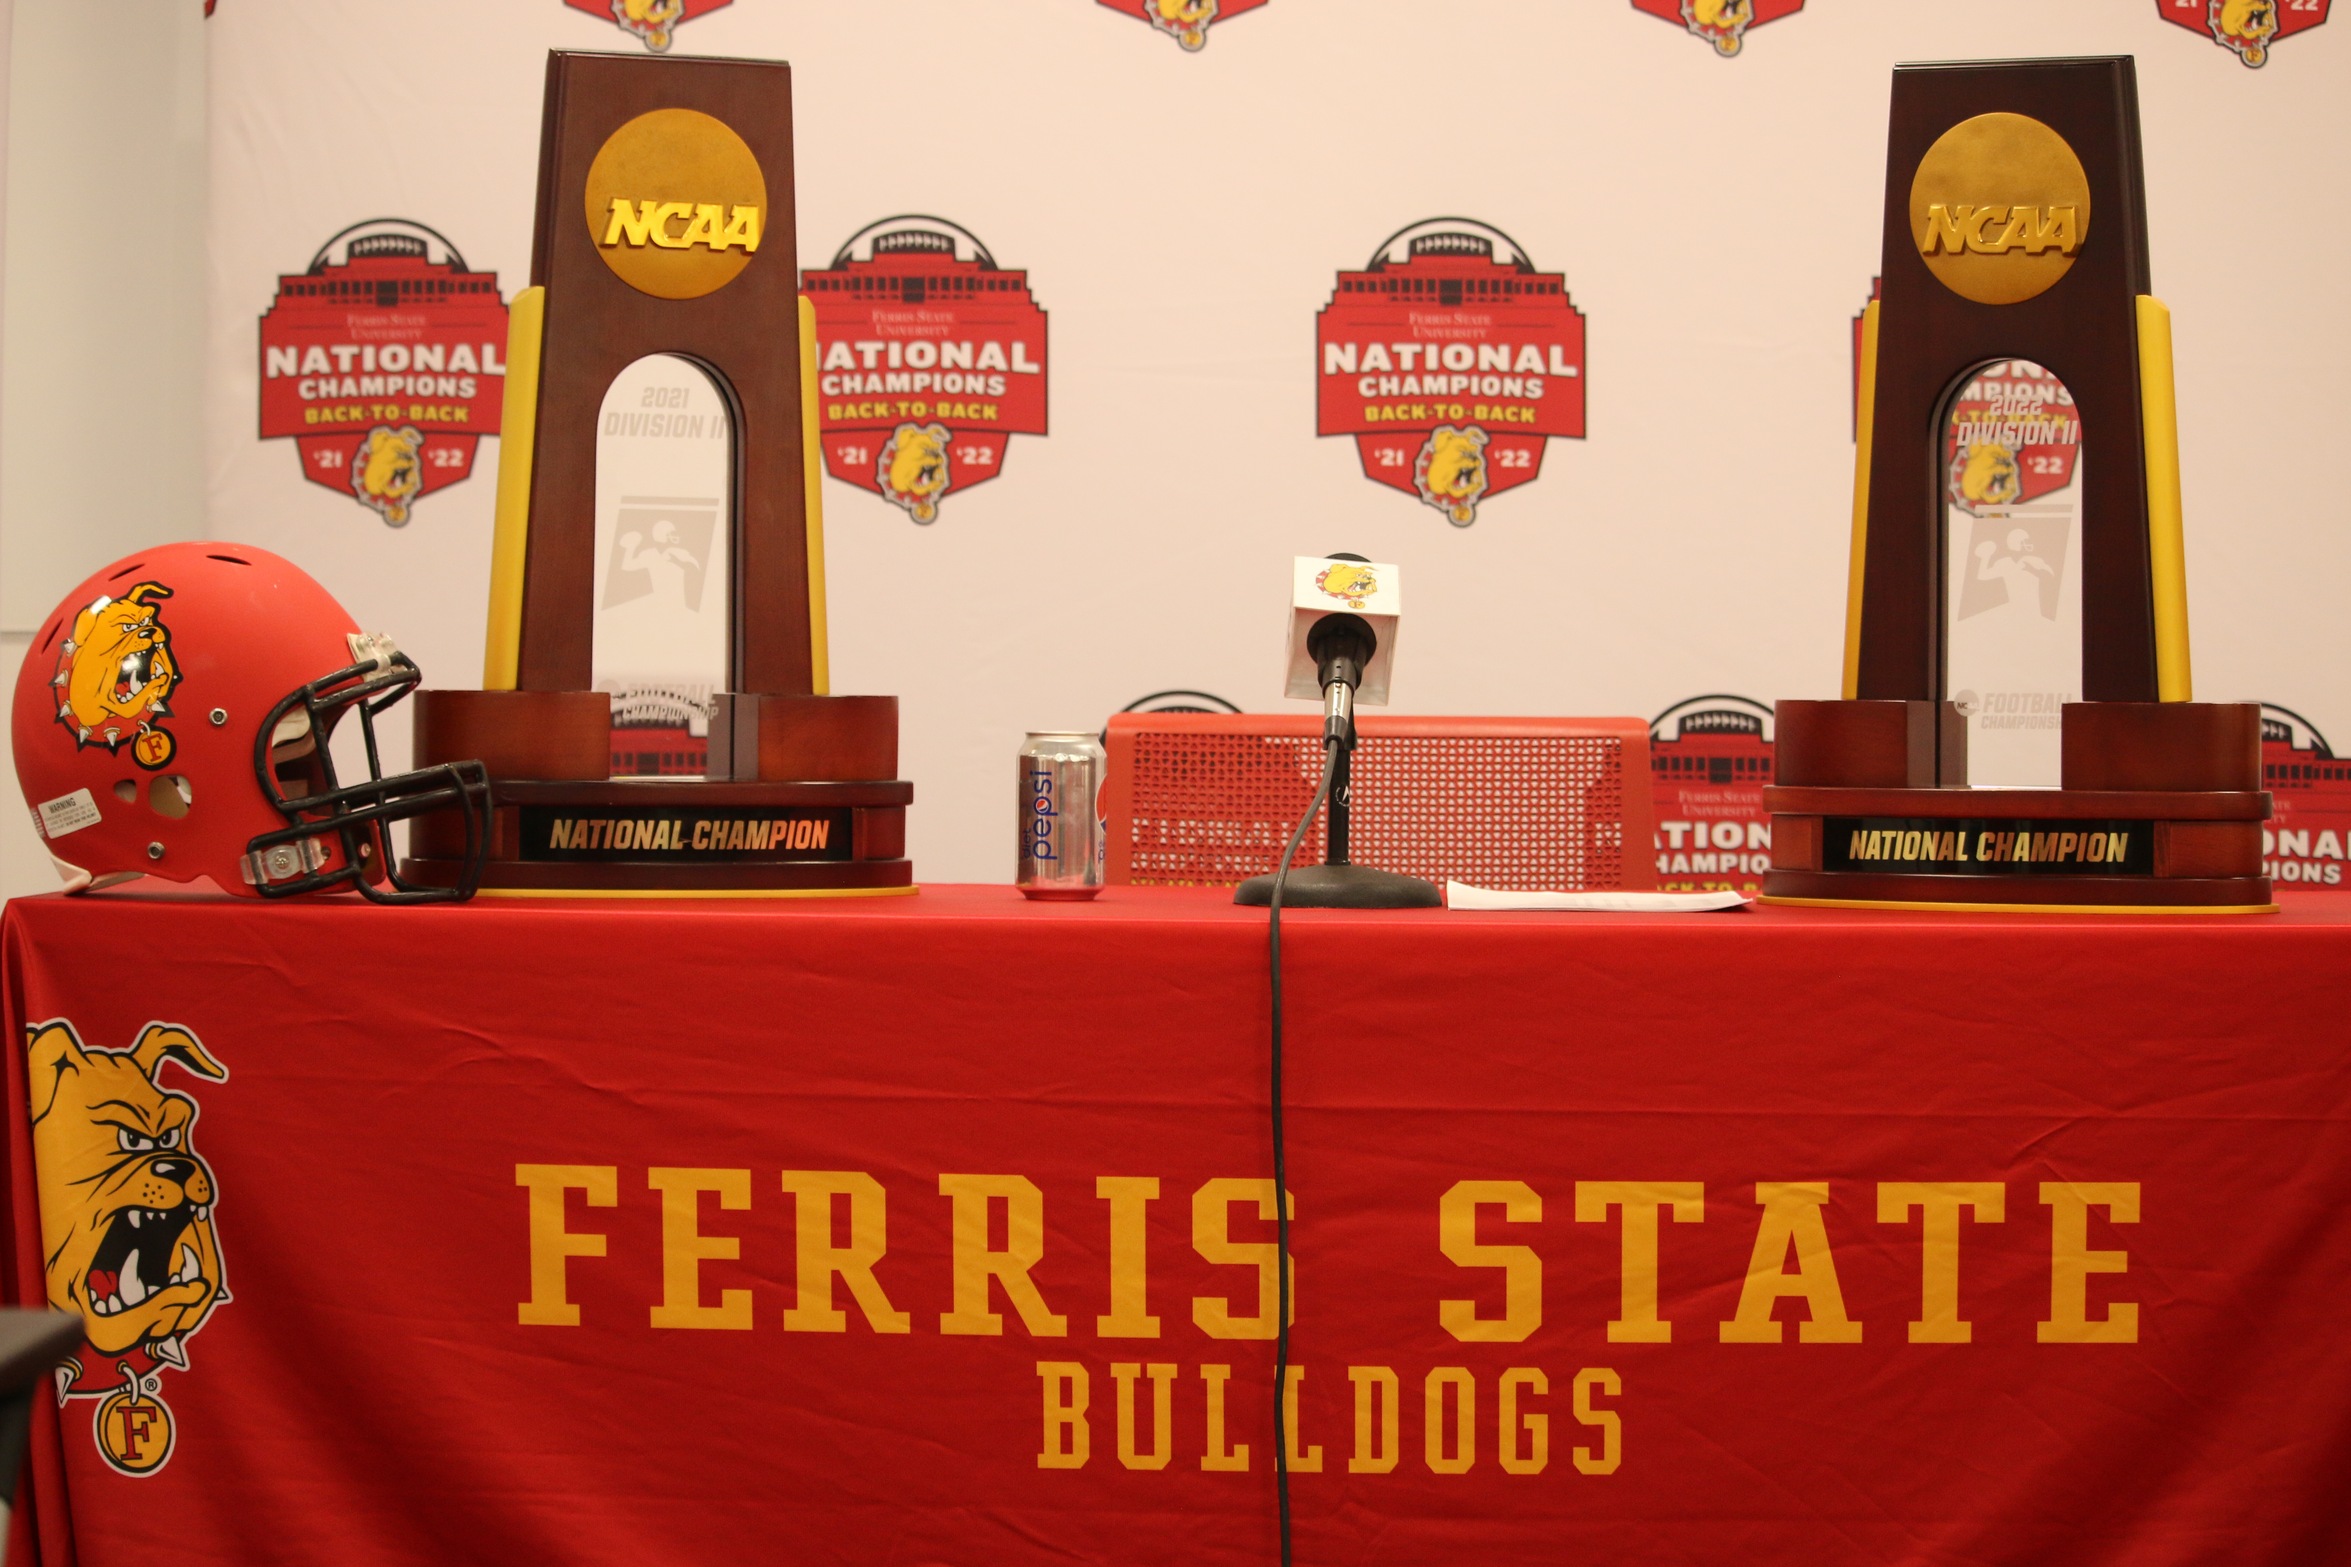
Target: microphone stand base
<point>1342,887</point>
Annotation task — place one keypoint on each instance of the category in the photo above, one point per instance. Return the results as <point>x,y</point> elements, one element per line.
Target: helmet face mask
<point>174,718</point>
<point>295,766</point>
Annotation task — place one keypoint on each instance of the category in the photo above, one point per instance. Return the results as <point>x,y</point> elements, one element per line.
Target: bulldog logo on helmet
<point>127,1237</point>
<point>114,673</point>
<point>914,470</point>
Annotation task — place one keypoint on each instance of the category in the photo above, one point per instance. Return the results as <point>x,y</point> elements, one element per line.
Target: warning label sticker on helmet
<point>67,813</point>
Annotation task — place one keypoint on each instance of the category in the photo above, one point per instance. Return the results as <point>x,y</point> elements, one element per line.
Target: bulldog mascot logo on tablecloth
<point>384,361</point>
<point>1452,361</point>
<point>930,358</point>
<point>127,1236</point>
<point>2247,29</point>
<point>114,673</point>
<point>1185,21</point>
<point>1722,23</point>
<point>653,23</point>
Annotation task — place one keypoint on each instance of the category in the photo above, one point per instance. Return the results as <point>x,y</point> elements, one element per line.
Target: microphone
<point>1340,646</point>
<point>1344,611</point>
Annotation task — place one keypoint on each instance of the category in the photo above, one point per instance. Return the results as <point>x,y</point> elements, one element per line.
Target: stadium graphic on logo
<point>384,361</point>
<point>653,23</point>
<point>930,357</point>
<point>128,1238</point>
<point>1185,21</point>
<point>1452,361</point>
<point>2248,29</point>
<point>1722,23</point>
<point>1709,760</point>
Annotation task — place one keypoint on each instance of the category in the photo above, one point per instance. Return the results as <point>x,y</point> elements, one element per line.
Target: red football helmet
<point>173,717</point>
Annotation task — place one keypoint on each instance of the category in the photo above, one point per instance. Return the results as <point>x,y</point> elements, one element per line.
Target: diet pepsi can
<point>1061,830</point>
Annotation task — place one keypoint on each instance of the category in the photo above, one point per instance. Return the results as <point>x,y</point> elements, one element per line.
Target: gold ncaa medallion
<point>676,203</point>
<point>1999,208</point>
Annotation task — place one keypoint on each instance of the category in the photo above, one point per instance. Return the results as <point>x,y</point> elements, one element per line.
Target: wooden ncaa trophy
<point>665,226</point>
<point>2015,230</point>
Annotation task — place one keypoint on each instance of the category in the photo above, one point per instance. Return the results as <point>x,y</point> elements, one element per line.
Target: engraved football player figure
<point>666,562</point>
<point>2021,569</point>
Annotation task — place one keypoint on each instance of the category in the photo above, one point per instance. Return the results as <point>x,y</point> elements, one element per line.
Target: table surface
<point>2138,1130</point>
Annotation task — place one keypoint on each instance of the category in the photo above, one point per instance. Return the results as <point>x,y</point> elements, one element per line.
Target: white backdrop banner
<point>1550,301</point>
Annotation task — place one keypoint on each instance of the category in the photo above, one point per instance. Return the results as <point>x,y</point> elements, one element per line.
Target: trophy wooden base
<point>2160,810</point>
<point>802,805</point>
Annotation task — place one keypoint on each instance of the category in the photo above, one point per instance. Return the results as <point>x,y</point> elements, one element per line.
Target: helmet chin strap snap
<point>282,862</point>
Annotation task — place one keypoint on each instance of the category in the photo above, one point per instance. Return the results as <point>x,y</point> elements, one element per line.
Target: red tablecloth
<point>928,1230</point>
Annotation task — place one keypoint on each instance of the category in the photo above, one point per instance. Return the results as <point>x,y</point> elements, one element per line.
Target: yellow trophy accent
<point>812,462</point>
<point>1864,418</point>
<point>526,325</point>
<point>2167,546</point>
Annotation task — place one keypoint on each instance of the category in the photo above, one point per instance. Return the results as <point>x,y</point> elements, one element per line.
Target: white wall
<point>102,373</point>
<point>1182,217</point>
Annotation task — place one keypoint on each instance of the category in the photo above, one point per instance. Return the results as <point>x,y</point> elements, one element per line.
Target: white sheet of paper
<point>1461,895</point>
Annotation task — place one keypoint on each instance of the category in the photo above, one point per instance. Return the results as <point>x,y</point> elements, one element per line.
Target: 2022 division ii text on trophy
<point>647,513</point>
<point>2016,240</point>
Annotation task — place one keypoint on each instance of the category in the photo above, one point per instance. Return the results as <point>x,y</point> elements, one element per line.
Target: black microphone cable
<point>1281,1182</point>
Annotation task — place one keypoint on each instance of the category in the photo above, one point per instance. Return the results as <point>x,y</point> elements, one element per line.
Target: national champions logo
<point>2248,29</point>
<point>2307,839</point>
<point>128,1240</point>
<point>654,23</point>
<point>1877,289</point>
<point>2011,438</point>
<point>1722,23</point>
<point>1710,759</point>
<point>1452,361</point>
<point>384,361</point>
<point>1185,21</point>
<point>930,358</point>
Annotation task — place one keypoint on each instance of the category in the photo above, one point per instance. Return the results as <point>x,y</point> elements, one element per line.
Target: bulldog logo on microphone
<point>930,358</point>
<point>1452,361</point>
<point>1348,581</point>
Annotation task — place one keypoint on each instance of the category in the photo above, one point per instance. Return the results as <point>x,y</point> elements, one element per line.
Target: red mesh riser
<point>1509,812</point>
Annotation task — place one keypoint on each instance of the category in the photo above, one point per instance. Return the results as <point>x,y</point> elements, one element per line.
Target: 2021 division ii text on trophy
<point>2016,252</point>
<point>665,312</point>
